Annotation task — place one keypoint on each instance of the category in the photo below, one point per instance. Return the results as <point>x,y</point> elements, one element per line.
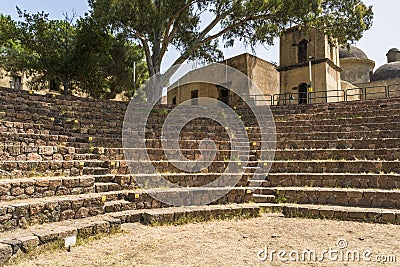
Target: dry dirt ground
<point>231,243</point>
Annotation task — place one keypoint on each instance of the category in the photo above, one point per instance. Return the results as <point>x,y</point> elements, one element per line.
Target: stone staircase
<point>63,168</point>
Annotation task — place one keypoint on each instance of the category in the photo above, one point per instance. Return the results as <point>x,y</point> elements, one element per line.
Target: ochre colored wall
<point>262,73</point>
<point>356,70</point>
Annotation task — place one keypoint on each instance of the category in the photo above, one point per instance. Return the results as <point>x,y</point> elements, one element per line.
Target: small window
<point>16,82</point>
<point>302,51</point>
<point>194,96</point>
<point>174,100</point>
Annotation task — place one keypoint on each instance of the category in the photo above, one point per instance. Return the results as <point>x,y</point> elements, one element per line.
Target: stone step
<point>14,143</point>
<point>13,244</point>
<point>114,156</point>
<point>300,166</point>
<point>107,178</point>
<point>76,168</point>
<point>118,205</point>
<point>259,198</point>
<point>353,197</point>
<point>370,215</point>
<point>85,132</point>
<point>97,113</point>
<point>95,171</point>
<point>12,189</point>
<point>285,154</point>
<point>329,180</point>
<point>107,187</point>
<point>64,130</point>
<point>18,214</point>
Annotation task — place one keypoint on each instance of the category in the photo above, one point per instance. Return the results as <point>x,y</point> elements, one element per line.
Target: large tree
<point>82,56</point>
<point>197,27</point>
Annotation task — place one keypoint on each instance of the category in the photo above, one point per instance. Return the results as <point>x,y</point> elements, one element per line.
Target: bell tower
<point>309,68</point>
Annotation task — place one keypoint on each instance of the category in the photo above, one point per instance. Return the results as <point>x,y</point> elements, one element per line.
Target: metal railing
<point>348,95</point>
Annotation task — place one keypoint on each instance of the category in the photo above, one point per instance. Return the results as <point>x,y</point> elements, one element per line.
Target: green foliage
<point>196,27</point>
<point>107,62</point>
<point>82,56</point>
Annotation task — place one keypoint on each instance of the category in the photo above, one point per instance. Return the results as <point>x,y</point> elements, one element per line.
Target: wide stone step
<point>107,187</point>
<point>68,232</point>
<point>11,189</point>
<point>370,215</point>
<point>260,198</point>
<point>329,180</point>
<point>300,166</point>
<point>76,168</point>
<point>23,213</point>
<point>20,169</point>
<point>110,154</point>
<point>377,198</point>
<point>86,132</point>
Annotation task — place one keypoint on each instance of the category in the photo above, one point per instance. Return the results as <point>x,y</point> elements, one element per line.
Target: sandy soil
<point>230,243</point>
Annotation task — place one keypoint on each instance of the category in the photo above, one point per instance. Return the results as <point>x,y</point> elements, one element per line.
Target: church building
<point>312,69</point>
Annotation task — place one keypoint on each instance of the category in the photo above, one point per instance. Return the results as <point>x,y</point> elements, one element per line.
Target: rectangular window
<point>194,96</point>
<point>16,82</point>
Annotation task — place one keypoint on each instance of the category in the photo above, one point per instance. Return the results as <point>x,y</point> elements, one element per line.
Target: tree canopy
<point>197,28</point>
<point>80,56</point>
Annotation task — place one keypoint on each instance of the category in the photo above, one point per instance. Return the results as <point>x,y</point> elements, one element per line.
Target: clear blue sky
<point>376,42</point>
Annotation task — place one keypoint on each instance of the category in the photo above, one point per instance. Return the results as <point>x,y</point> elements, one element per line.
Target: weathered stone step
<point>377,198</point>
<point>370,215</point>
<point>329,180</point>
<point>364,143</point>
<point>22,168</point>
<point>86,131</point>
<point>338,154</point>
<point>118,205</point>
<point>14,243</point>
<point>107,187</point>
<point>95,171</point>
<point>296,166</point>
<point>259,198</point>
<point>23,213</point>
<point>111,154</point>
<point>11,189</point>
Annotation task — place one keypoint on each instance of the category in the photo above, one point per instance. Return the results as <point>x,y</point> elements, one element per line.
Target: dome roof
<point>354,52</point>
<point>387,72</point>
<point>393,50</point>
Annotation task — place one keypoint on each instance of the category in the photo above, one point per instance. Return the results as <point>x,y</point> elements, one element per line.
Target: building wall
<point>318,47</point>
<point>356,70</point>
<point>294,69</point>
<point>262,73</point>
<point>183,92</point>
<point>10,81</point>
<point>325,78</point>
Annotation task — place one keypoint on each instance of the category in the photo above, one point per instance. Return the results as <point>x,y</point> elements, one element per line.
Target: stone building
<point>264,75</point>
<point>358,70</point>
<point>15,81</point>
<point>356,66</point>
<point>309,68</point>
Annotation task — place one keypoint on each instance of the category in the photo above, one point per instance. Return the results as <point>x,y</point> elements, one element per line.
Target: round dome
<point>354,52</point>
<point>387,72</point>
<point>393,50</point>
